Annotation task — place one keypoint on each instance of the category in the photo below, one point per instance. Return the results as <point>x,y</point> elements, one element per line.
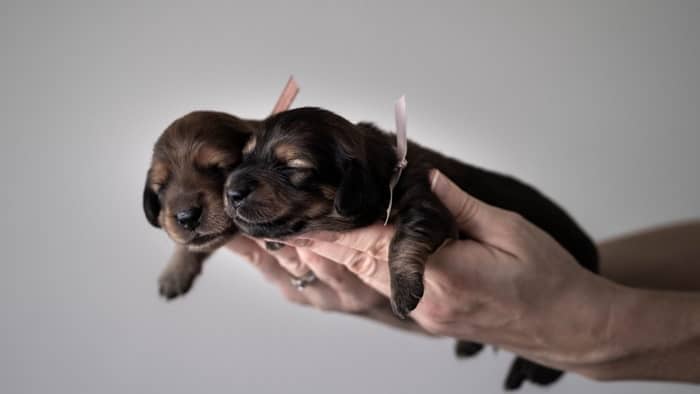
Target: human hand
<point>335,289</point>
<point>509,284</point>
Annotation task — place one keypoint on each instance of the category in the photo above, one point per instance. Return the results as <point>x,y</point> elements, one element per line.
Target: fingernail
<point>434,175</point>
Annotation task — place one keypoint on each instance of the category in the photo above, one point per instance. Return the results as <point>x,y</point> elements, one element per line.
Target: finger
<point>316,294</point>
<point>355,296</point>
<point>371,270</point>
<point>250,251</point>
<point>286,257</point>
<point>268,266</point>
<point>476,218</point>
<point>373,239</point>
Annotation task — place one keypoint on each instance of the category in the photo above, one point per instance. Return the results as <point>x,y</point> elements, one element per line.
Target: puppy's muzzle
<point>239,191</point>
<point>189,218</point>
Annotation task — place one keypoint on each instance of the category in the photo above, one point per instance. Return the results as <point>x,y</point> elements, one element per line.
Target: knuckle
<point>324,304</point>
<point>513,223</point>
<point>432,327</point>
<point>295,267</point>
<point>439,315</point>
<point>363,265</point>
<point>353,304</point>
<point>380,247</point>
<point>252,256</point>
<point>336,282</point>
<point>353,307</point>
<point>293,296</point>
<point>312,259</point>
<point>467,209</point>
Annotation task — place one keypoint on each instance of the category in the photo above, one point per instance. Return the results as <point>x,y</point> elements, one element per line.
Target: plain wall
<point>597,103</point>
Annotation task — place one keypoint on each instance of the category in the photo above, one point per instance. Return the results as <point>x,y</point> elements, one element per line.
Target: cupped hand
<point>335,289</point>
<point>509,284</point>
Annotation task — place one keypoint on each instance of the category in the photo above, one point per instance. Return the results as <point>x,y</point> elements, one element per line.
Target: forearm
<point>663,258</point>
<point>651,335</point>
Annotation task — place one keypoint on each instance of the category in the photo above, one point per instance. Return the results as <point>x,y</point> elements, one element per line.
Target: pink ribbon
<point>287,97</point>
<point>401,150</point>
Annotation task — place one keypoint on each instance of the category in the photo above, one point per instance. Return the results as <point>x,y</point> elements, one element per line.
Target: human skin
<point>666,257</point>
<point>512,285</point>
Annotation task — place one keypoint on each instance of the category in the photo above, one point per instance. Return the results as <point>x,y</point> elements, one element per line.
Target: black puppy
<point>310,169</point>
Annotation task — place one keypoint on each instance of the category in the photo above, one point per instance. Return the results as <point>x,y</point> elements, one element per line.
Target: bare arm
<point>651,335</point>
<point>662,258</point>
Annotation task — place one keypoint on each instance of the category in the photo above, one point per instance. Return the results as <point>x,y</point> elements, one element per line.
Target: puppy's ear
<point>357,193</point>
<point>151,205</point>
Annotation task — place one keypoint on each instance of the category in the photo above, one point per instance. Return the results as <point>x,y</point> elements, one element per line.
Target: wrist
<point>648,335</point>
<point>587,332</point>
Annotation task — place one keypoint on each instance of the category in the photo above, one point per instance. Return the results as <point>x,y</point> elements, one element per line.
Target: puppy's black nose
<point>189,218</point>
<point>236,195</point>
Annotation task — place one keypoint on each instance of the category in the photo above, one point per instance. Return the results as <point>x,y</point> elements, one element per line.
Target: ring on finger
<point>303,281</point>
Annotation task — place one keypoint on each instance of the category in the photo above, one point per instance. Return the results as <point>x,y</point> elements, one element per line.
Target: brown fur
<point>191,160</point>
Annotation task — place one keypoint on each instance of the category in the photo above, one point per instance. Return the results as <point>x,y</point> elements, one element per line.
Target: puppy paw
<point>406,292</point>
<point>176,282</point>
<point>272,246</point>
<point>523,370</point>
<point>544,376</point>
<point>467,349</point>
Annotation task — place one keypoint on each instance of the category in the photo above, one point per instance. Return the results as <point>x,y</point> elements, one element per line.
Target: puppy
<point>184,190</point>
<point>309,169</point>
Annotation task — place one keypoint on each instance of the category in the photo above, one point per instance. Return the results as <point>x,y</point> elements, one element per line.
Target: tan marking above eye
<point>158,175</point>
<point>208,156</point>
<point>250,145</point>
<point>299,163</point>
<point>292,156</point>
<point>286,152</point>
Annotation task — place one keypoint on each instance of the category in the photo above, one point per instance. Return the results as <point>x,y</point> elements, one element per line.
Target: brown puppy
<point>309,169</point>
<point>183,192</point>
<point>184,189</point>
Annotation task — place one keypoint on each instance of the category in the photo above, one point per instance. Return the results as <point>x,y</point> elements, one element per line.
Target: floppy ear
<point>357,193</point>
<point>151,205</point>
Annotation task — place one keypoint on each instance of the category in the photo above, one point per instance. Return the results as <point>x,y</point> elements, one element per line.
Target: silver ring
<point>301,282</point>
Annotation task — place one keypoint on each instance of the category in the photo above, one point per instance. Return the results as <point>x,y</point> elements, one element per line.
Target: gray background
<point>595,102</point>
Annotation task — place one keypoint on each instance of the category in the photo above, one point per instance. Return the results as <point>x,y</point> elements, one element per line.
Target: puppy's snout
<point>239,186</point>
<point>189,218</point>
<point>237,193</point>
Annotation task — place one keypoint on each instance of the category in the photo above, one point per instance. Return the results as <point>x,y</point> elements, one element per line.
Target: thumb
<point>474,217</point>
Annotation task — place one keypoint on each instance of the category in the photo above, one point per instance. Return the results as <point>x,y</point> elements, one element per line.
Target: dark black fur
<point>357,161</point>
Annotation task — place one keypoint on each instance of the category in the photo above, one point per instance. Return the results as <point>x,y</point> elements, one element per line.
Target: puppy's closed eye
<point>298,175</point>
<point>298,170</point>
<point>216,170</point>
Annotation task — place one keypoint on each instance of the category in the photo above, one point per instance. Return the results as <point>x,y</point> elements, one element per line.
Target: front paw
<point>175,282</point>
<point>406,292</point>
